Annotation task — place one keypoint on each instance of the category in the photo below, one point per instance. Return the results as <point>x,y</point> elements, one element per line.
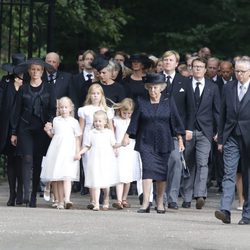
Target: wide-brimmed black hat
<point>99,63</point>
<point>142,58</point>
<point>37,61</point>
<point>16,60</point>
<point>154,78</point>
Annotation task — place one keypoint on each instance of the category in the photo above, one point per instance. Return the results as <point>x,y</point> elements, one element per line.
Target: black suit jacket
<point>183,96</point>
<point>153,127</point>
<point>232,115</point>
<point>62,84</point>
<point>79,90</point>
<point>207,114</point>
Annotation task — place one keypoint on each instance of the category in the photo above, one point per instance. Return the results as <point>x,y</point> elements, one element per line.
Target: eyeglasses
<point>241,71</point>
<point>198,67</point>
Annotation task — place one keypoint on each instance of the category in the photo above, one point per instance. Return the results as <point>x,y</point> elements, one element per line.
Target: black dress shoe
<point>186,204</point>
<point>244,221</point>
<point>142,210</point>
<point>223,215</point>
<point>200,202</point>
<point>11,201</point>
<point>172,205</point>
<point>32,201</point>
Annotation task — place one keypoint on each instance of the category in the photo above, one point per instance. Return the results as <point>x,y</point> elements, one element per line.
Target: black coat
<point>183,96</point>
<point>208,112</point>
<point>62,84</point>
<point>25,105</point>
<point>233,114</point>
<point>153,128</point>
<point>7,106</point>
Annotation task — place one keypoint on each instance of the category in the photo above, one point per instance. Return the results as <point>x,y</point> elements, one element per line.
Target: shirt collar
<point>171,75</point>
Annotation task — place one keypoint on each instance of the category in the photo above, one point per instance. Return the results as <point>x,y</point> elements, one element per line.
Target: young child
<point>95,101</point>
<point>101,168</point>
<point>59,165</point>
<point>128,159</point>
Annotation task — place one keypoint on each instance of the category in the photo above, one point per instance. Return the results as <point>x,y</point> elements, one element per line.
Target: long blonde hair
<point>103,99</point>
<point>63,100</point>
<point>126,104</point>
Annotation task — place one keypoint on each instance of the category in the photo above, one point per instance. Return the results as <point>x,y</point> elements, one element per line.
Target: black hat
<point>16,59</point>
<point>37,61</point>
<point>142,58</point>
<point>99,63</point>
<point>154,78</point>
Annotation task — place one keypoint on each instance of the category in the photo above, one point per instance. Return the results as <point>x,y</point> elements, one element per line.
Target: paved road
<point>79,228</point>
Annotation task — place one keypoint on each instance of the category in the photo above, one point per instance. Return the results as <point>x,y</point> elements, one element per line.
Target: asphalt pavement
<point>79,228</point>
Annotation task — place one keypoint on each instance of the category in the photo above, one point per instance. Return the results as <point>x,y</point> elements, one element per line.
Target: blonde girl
<point>59,166</point>
<point>95,101</point>
<point>128,159</point>
<point>101,168</point>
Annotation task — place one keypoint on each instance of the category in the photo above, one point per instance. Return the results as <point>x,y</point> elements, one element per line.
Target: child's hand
<point>116,151</point>
<point>48,126</point>
<point>77,157</point>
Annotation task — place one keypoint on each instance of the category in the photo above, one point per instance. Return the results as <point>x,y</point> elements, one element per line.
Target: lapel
<point>245,99</point>
<point>234,96</point>
<point>205,95</point>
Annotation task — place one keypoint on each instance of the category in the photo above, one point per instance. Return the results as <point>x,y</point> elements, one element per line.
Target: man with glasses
<point>207,105</point>
<point>234,140</point>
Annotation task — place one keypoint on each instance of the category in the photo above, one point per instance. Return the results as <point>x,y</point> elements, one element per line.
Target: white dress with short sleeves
<point>101,169</point>
<point>59,163</point>
<point>128,160</point>
<point>87,113</point>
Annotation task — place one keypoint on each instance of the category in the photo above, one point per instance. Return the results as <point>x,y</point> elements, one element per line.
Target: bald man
<point>62,80</point>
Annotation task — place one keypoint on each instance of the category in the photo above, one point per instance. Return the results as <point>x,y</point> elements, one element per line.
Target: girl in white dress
<point>95,101</point>
<point>128,159</point>
<point>59,165</point>
<point>101,168</point>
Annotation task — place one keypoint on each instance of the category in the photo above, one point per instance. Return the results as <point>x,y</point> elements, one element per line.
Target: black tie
<point>197,94</point>
<point>89,76</point>
<point>51,78</point>
<point>169,85</point>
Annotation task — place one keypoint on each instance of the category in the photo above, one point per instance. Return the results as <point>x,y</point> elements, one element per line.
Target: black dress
<point>153,126</point>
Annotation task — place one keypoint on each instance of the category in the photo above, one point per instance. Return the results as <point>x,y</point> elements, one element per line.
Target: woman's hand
<point>48,127</point>
<point>125,140</point>
<point>13,140</point>
<point>189,135</point>
<point>220,147</point>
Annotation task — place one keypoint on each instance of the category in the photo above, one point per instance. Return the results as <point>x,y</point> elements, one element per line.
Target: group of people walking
<point>126,120</point>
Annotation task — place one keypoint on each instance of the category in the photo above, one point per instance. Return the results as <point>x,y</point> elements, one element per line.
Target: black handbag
<point>185,170</point>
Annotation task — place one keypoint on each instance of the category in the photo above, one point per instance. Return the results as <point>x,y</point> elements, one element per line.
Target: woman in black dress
<point>9,86</point>
<point>133,84</point>
<point>35,105</point>
<point>113,91</point>
<point>153,124</point>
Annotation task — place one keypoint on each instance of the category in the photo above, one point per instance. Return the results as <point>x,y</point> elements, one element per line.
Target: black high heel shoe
<point>143,210</point>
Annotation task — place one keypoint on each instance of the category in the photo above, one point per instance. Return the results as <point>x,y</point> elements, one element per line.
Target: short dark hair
<point>200,59</point>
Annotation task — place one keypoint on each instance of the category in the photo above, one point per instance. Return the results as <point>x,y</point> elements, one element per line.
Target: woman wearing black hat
<point>153,123</point>
<point>35,105</point>
<point>8,90</point>
<point>133,84</point>
<point>114,91</point>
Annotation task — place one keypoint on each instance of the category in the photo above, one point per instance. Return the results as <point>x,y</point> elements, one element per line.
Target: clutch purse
<point>185,170</point>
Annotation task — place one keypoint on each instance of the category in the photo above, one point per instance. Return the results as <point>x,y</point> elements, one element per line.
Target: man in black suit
<point>183,96</point>
<point>83,80</point>
<point>62,80</point>
<point>207,105</point>
<point>234,139</point>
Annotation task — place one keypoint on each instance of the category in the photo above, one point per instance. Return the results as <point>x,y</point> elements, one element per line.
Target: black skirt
<point>154,165</point>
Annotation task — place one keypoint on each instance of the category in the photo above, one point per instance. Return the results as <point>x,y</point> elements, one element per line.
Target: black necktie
<point>169,85</point>
<point>51,78</point>
<point>197,94</point>
<point>89,76</point>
